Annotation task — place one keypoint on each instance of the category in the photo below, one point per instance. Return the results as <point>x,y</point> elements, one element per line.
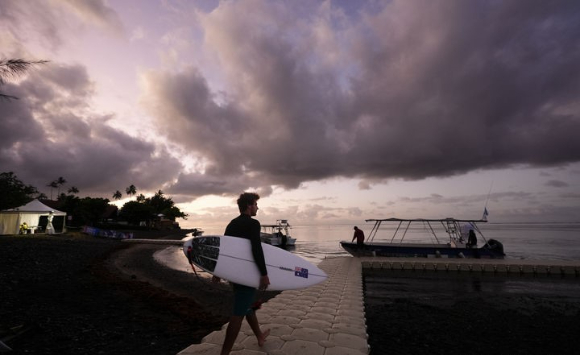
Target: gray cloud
<point>401,90</point>
<point>432,90</point>
<point>49,133</point>
<point>97,12</point>
<point>557,183</point>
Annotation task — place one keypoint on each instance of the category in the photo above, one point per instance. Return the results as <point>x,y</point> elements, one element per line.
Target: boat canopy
<point>452,226</point>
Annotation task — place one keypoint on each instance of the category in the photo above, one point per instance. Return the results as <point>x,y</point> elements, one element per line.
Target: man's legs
<point>255,325</point>
<point>232,333</point>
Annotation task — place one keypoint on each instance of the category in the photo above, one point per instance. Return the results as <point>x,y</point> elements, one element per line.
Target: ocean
<point>534,241</point>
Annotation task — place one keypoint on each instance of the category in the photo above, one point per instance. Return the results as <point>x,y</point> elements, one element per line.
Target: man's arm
<point>258,254</point>
<point>257,251</point>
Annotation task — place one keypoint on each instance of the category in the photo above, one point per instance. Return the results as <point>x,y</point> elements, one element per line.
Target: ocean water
<point>534,241</point>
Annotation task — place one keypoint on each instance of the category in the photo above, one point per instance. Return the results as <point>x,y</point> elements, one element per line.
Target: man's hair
<point>246,199</point>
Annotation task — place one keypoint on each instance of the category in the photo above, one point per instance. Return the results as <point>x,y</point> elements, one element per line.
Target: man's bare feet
<point>262,338</point>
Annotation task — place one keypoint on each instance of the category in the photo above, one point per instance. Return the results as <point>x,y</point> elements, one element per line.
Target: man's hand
<point>264,282</point>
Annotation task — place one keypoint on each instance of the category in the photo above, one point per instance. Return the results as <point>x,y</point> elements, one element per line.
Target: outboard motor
<point>494,246</point>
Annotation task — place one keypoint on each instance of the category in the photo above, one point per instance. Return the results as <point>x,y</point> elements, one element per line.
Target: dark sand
<point>85,295</point>
<point>448,313</point>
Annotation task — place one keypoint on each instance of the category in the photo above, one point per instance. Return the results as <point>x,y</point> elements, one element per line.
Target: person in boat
<point>359,235</point>
<point>471,239</point>
<point>244,226</point>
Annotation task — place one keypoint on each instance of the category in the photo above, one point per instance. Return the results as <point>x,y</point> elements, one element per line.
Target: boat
<point>197,232</point>
<point>277,234</point>
<point>456,245</point>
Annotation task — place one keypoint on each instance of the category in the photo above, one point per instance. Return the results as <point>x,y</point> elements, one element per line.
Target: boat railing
<point>451,226</point>
<point>281,225</point>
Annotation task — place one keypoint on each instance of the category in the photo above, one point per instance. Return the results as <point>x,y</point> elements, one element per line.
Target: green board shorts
<point>243,298</point>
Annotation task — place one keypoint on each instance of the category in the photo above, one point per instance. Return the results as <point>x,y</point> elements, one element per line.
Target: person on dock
<point>359,235</point>
<point>244,226</point>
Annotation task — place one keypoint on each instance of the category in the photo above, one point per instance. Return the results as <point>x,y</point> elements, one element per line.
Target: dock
<point>329,318</point>
<point>505,267</point>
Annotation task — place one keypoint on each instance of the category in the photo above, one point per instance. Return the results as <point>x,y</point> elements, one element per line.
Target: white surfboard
<point>231,259</point>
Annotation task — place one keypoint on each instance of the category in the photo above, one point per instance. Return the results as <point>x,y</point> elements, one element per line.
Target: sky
<point>333,111</point>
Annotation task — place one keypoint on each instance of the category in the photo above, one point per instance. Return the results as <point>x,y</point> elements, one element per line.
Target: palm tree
<point>131,190</point>
<point>73,190</point>
<point>141,198</point>
<point>60,181</point>
<point>10,68</point>
<point>52,185</point>
<point>117,195</point>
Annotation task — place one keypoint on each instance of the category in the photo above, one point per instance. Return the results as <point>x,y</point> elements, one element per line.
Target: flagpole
<point>485,213</point>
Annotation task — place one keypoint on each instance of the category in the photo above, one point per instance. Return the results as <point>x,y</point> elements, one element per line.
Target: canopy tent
<point>35,214</point>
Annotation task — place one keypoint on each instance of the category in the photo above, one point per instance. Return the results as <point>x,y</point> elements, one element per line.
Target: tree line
<point>89,210</point>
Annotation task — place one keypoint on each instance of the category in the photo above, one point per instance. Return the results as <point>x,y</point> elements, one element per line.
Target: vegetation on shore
<point>87,210</point>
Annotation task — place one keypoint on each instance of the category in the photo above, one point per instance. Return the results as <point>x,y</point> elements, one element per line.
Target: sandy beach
<point>86,295</point>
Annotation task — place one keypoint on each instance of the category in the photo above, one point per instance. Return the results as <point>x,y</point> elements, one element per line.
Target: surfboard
<point>230,258</point>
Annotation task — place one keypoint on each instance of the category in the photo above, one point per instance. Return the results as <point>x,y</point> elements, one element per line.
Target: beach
<point>87,295</point>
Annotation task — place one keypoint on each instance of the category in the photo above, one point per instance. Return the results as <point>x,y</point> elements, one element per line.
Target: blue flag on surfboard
<point>484,217</point>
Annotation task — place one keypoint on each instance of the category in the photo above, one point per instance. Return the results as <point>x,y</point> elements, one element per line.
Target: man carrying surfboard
<point>244,226</point>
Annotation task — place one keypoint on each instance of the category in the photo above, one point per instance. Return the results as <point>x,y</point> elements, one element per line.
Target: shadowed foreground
<point>448,313</point>
<point>86,295</point>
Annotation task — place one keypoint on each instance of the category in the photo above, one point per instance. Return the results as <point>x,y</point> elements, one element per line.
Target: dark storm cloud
<point>557,183</point>
<point>48,133</point>
<point>409,91</point>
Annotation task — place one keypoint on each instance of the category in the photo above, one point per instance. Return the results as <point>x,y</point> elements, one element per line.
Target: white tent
<point>31,213</point>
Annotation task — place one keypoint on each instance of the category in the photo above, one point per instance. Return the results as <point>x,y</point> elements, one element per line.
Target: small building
<point>35,214</point>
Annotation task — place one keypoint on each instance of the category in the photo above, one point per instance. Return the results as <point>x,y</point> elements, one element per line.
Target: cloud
<point>98,13</point>
<point>49,23</point>
<point>471,86</point>
<point>50,132</point>
<point>138,33</point>
<point>557,183</point>
<point>299,93</point>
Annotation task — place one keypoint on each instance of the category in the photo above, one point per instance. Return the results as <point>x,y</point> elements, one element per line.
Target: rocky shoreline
<point>86,295</point>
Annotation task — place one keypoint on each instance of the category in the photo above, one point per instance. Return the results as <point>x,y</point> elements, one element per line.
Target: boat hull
<point>493,250</point>
<point>277,241</point>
